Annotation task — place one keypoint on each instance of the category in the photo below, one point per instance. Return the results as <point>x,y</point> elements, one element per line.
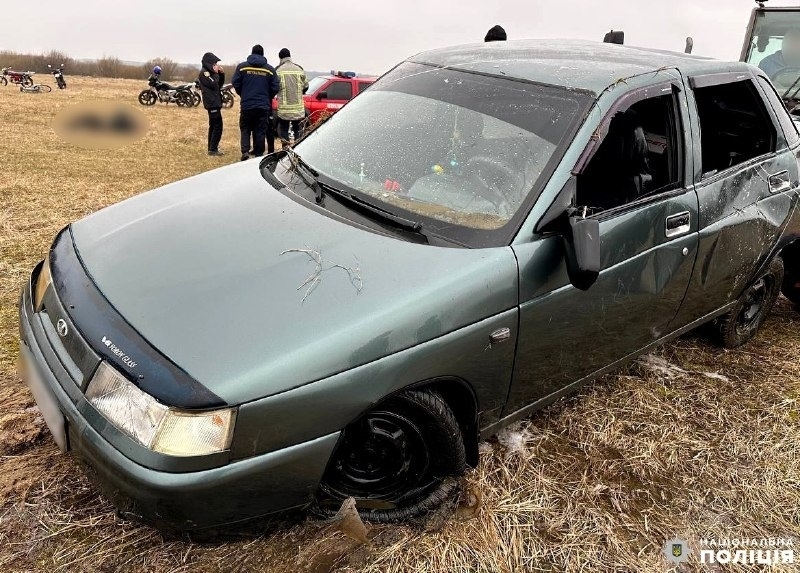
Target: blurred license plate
<point>48,406</point>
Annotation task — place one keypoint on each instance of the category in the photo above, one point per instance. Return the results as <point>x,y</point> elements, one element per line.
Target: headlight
<point>154,425</point>
<point>42,283</point>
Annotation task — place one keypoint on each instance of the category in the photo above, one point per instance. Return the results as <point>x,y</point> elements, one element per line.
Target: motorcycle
<point>58,74</point>
<point>19,78</point>
<point>165,93</point>
<point>227,96</point>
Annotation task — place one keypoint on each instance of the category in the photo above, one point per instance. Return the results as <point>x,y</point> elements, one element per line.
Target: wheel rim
<point>382,462</point>
<point>753,306</point>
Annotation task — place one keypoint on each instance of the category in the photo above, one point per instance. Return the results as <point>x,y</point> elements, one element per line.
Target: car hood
<point>253,293</point>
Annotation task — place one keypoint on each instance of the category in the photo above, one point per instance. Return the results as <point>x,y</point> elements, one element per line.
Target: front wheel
<point>147,97</point>
<point>395,459</point>
<point>4,80</point>
<point>185,99</point>
<point>62,84</point>
<point>743,321</point>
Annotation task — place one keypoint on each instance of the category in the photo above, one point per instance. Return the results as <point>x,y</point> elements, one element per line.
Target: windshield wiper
<point>311,178</point>
<point>306,173</point>
<point>378,212</point>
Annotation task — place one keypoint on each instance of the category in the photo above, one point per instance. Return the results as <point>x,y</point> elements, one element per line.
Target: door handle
<point>678,224</point>
<point>780,182</point>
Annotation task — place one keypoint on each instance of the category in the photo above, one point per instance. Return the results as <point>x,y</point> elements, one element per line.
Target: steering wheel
<point>785,77</point>
<point>486,173</point>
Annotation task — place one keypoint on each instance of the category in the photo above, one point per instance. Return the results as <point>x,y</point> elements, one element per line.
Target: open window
<point>735,127</point>
<point>640,155</point>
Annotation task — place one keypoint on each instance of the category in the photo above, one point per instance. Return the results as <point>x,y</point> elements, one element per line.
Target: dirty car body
<point>503,223</point>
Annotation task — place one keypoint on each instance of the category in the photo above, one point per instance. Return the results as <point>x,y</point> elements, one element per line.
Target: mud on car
<point>351,317</point>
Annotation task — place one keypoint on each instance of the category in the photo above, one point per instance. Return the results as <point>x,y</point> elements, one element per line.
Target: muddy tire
<point>743,321</point>
<point>395,460</point>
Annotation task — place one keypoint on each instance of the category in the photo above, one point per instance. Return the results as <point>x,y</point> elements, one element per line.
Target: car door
<point>648,247</point>
<point>746,176</point>
<point>339,92</point>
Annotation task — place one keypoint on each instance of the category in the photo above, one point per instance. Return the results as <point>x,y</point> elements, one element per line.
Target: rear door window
<point>735,127</point>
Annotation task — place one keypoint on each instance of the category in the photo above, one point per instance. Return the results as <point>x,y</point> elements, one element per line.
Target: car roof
<point>578,64</point>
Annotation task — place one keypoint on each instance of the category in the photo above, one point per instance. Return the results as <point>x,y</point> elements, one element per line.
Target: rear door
<point>746,177</point>
<point>648,231</point>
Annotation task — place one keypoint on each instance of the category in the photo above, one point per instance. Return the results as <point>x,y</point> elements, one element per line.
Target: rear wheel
<point>742,323</point>
<point>147,97</point>
<point>27,81</point>
<point>184,99</point>
<point>227,99</point>
<point>395,459</point>
<point>45,88</point>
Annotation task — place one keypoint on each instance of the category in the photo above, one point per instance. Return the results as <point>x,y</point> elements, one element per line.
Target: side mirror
<point>322,95</point>
<point>582,251</point>
<point>49,66</point>
<point>580,236</point>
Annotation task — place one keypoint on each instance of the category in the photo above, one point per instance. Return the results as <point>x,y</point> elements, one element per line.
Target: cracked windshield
<point>775,48</point>
<point>446,146</point>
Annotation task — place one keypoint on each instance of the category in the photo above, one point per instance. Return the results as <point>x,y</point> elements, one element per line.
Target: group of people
<point>257,83</point>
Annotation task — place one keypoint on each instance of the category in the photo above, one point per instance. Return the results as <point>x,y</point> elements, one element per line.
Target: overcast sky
<point>366,36</point>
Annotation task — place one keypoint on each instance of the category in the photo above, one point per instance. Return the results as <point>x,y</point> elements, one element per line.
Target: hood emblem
<point>62,328</point>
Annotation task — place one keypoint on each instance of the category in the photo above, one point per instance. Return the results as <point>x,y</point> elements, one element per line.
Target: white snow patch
<point>660,366</point>
<point>513,438</point>
<point>716,376</point>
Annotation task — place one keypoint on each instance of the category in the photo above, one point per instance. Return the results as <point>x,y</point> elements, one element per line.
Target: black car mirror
<point>322,95</point>
<point>582,251</point>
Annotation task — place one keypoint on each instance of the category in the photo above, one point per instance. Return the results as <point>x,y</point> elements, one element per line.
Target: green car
<point>484,230</point>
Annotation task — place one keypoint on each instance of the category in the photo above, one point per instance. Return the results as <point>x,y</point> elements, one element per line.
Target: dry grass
<point>693,443</point>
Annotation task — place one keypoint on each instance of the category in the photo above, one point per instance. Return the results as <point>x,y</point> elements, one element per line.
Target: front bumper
<point>238,491</point>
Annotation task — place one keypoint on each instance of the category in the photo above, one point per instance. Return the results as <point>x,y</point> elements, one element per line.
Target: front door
<point>635,185</point>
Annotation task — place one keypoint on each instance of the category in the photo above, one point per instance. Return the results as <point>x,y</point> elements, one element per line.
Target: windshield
<point>314,84</point>
<point>462,153</point>
<point>775,47</point>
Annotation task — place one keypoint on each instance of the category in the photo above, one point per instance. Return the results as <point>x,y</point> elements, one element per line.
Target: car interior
<point>638,157</point>
<point>734,125</point>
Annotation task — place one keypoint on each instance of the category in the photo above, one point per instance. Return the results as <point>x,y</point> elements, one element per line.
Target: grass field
<point>691,442</point>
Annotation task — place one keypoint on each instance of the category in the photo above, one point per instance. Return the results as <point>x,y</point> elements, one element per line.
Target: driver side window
<point>640,156</point>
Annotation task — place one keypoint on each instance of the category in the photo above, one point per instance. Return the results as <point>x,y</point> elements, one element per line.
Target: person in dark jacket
<point>212,78</point>
<point>496,34</point>
<point>257,83</point>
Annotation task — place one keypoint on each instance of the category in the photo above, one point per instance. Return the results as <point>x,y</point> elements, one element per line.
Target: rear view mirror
<point>322,95</point>
<point>582,250</point>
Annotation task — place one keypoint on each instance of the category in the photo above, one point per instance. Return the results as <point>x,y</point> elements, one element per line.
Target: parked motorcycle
<point>227,95</point>
<point>194,89</point>
<point>58,74</point>
<point>19,78</point>
<point>166,93</point>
